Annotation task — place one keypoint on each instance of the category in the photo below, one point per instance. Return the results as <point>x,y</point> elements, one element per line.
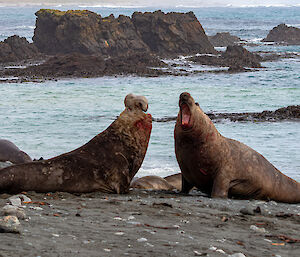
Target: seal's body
<point>10,152</point>
<point>224,167</point>
<point>151,183</point>
<point>107,163</point>
<point>175,180</point>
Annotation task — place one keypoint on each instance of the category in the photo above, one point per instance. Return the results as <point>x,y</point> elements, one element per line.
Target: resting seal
<point>10,152</point>
<point>221,166</point>
<point>107,163</point>
<point>175,180</point>
<point>151,183</point>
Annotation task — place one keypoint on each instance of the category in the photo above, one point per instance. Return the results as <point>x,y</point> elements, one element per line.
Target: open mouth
<point>185,116</point>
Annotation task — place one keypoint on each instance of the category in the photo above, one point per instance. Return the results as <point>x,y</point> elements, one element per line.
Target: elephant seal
<point>223,167</point>
<point>175,180</point>
<point>10,152</point>
<point>107,163</point>
<point>151,183</point>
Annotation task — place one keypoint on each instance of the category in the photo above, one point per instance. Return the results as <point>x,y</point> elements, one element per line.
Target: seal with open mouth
<point>107,163</point>
<point>223,167</point>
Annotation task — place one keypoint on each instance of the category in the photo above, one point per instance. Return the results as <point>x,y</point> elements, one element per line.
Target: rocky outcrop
<point>85,32</point>
<point>291,112</point>
<point>223,39</point>
<point>284,34</point>
<point>236,57</point>
<point>88,33</point>
<point>15,48</point>
<point>172,33</point>
<point>80,65</point>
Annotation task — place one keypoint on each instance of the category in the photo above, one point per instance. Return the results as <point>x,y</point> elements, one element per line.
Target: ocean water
<point>47,119</point>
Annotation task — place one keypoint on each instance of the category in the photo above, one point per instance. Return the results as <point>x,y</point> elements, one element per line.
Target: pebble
<point>247,211</point>
<point>237,255</point>
<point>10,210</point>
<point>17,200</point>
<point>257,229</point>
<point>197,253</point>
<point>142,239</point>
<point>119,233</point>
<point>9,224</point>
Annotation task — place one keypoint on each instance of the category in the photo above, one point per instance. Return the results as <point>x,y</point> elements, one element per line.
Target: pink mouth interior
<point>185,115</point>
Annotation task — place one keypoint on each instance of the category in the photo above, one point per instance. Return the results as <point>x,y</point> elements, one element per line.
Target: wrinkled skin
<point>151,183</point>
<point>10,152</point>
<point>223,167</point>
<point>107,163</point>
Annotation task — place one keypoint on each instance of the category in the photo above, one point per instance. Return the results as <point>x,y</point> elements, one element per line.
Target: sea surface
<point>48,119</point>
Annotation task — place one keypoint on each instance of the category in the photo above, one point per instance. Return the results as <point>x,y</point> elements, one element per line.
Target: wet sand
<point>149,223</point>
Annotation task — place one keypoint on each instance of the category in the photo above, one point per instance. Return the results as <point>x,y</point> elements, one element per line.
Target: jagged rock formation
<point>88,33</point>
<point>17,48</point>
<point>85,32</point>
<point>172,33</point>
<point>236,57</point>
<point>223,39</point>
<point>284,34</point>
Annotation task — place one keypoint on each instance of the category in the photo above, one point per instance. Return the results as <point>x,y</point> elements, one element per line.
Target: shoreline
<point>151,223</point>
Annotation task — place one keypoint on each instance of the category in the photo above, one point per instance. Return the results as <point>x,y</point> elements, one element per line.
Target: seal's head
<point>136,102</point>
<point>186,105</point>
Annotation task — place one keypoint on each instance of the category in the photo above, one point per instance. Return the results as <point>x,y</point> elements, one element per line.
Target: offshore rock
<point>15,48</point>
<point>223,39</point>
<point>236,57</point>
<point>172,33</point>
<point>85,32</point>
<point>284,34</point>
<point>80,65</point>
<point>88,33</point>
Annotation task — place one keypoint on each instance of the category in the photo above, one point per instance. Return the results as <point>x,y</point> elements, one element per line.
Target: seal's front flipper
<point>220,187</point>
<point>186,186</point>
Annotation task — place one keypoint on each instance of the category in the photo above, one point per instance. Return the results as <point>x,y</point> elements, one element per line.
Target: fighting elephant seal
<point>107,163</point>
<point>10,152</point>
<point>151,183</point>
<point>221,166</point>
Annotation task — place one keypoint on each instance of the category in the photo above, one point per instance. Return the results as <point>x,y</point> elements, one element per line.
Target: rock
<point>85,32</point>
<point>15,48</point>
<point>284,34</point>
<point>257,229</point>
<point>236,57</point>
<point>247,211</point>
<point>80,65</point>
<point>88,33</point>
<point>14,211</point>
<point>16,200</point>
<point>172,33</point>
<point>223,39</point>
<point>9,224</point>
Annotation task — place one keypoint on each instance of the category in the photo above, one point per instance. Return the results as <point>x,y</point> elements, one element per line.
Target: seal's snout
<point>185,112</point>
<point>136,102</point>
<point>184,97</point>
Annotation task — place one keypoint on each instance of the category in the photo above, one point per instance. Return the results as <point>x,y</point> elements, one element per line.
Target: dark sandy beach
<point>145,223</point>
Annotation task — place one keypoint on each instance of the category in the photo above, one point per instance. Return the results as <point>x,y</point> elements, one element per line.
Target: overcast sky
<point>173,3</point>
